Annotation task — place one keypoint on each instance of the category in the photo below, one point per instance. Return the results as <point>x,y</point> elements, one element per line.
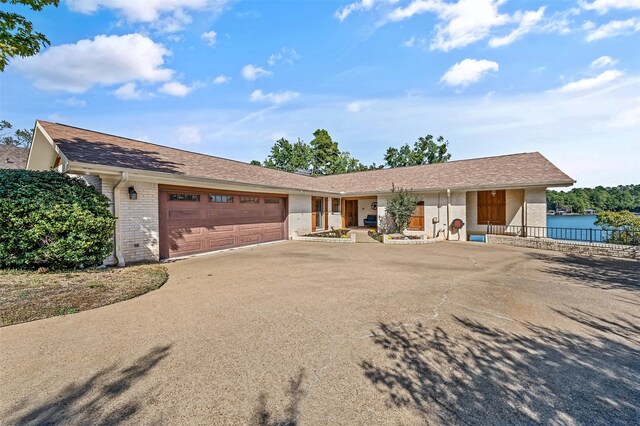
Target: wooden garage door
<point>198,221</point>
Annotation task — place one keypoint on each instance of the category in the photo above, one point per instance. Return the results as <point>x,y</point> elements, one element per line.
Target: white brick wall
<point>299,214</point>
<point>140,229</point>
<point>536,202</point>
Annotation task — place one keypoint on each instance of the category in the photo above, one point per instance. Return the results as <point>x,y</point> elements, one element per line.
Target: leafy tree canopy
<point>425,151</point>
<point>617,198</point>
<point>21,137</point>
<point>17,36</point>
<point>289,156</point>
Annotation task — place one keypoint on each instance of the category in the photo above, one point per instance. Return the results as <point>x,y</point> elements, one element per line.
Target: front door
<point>317,213</point>
<point>351,213</point>
<point>417,218</point>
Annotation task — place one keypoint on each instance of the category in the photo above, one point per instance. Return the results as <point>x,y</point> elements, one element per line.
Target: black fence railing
<point>586,235</point>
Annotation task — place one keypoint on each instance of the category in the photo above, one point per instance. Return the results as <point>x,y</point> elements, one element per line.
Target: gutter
<point>124,178</point>
<point>448,212</point>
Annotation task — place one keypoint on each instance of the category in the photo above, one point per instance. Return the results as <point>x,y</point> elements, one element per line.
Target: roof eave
<point>188,180</point>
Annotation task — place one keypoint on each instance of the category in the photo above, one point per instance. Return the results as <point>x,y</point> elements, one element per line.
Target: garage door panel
<point>197,227</point>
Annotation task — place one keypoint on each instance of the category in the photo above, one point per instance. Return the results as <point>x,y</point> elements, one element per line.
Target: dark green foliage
<point>400,207</point>
<point>52,220</point>
<point>289,157</point>
<point>17,37</point>
<point>21,137</point>
<point>625,224</point>
<point>425,151</point>
<point>617,198</point>
<point>321,157</point>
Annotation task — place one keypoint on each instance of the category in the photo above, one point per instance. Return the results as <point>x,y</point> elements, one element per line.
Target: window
<point>272,200</point>
<point>184,197</point>
<point>220,198</point>
<point>253,200</point>
<point>335,205</point>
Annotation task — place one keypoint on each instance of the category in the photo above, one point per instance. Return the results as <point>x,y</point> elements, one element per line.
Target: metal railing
<point>585,235</point>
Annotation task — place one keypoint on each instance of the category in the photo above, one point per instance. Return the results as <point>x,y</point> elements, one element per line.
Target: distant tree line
<point>617,198</point>
<point>322,156</point>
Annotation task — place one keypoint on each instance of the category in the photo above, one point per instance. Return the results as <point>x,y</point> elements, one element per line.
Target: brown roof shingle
<point>85,146</point>
<point>12,157</point>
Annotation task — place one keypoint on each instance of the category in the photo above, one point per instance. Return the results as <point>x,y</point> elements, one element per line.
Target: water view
<point>583,222</point>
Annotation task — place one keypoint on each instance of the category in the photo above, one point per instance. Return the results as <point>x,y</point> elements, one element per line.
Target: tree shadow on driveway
<point>86,402</point>
<point>485,375</point>
<point>262,416</point>
<point>598,272</point>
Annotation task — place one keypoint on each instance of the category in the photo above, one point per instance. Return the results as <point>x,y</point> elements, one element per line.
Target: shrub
<point>622,227</point>
<point>400,207</point>
<point>52,220</point>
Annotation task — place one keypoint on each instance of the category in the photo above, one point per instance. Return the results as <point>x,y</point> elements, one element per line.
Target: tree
<point>21,137</point>
<point>425,151</point>
<point>289,157</point>
<point>255,163</point>
<point>400,207</point>
<point>623,227</point>
<point>17,37</point>
<point>325,153</point>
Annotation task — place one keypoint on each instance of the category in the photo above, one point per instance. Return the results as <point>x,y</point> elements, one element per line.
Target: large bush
<point>400,207</point>
<point>51,220</point>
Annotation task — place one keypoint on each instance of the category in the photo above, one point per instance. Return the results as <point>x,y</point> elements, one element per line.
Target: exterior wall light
<point>493,193</point>
<point>133,195</point>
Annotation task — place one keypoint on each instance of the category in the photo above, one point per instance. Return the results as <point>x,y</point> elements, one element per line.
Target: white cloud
<point>286,55</point>
<point>592,83</point>
<point>275,97</point>
<point>128,92</point>
<point>358,106</point>
<point>347,10</point>
<point>603,62</point>
<point>105,60</point>
<point>221,79</point>
<point>210,37</point>
<point>468,71</point>
<point>415,42</point>
<point>73,102</point>
<point>628,117</point>
<point>166,15</point>
<point>464,22</point>
<point>528,21</point>
<point>614,28</point>
<point>603,6</point>
<point>175,88</point>
<point>189,135</point>
<point>253,72</point>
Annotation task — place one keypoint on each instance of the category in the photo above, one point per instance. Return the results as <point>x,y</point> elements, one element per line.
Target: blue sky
<point>228,78</point>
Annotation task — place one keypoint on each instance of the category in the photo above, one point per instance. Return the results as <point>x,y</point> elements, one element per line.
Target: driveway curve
<point>299,333</point>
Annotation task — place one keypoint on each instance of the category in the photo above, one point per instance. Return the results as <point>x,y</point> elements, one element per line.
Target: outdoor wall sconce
<point>493,193</point>
<point>133,195</point>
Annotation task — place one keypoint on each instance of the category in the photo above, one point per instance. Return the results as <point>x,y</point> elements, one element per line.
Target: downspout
<point>448,212</point>
<point>124,178</point>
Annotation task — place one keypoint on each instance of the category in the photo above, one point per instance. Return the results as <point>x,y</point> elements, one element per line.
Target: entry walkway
<point>362,235</point>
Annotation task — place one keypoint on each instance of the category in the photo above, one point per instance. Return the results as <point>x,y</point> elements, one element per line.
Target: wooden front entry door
<point>350,213</point>
<point>417,218</point>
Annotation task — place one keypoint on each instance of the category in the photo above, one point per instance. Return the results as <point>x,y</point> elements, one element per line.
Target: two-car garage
<point>198,221</point>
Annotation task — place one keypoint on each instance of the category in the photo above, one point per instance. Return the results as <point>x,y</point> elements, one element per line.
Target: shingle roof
<point>12,157</point>
<point>86,146</point>
<point>527,169</point>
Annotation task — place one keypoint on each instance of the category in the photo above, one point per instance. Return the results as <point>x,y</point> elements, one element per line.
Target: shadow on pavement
<point>598,272</point>
<point>486,375</point>
<point>263,417</point>
<point>85,403</point>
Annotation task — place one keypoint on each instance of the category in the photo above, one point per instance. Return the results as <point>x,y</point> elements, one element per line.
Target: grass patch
<point>28,295</point>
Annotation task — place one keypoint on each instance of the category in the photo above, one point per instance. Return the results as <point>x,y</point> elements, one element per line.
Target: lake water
<point>584,222</point>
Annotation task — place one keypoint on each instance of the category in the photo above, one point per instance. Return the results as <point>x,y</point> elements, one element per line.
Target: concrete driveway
<point>300,333</point>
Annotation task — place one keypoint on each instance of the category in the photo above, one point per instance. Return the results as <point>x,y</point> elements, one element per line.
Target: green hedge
<point>51,220</point>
